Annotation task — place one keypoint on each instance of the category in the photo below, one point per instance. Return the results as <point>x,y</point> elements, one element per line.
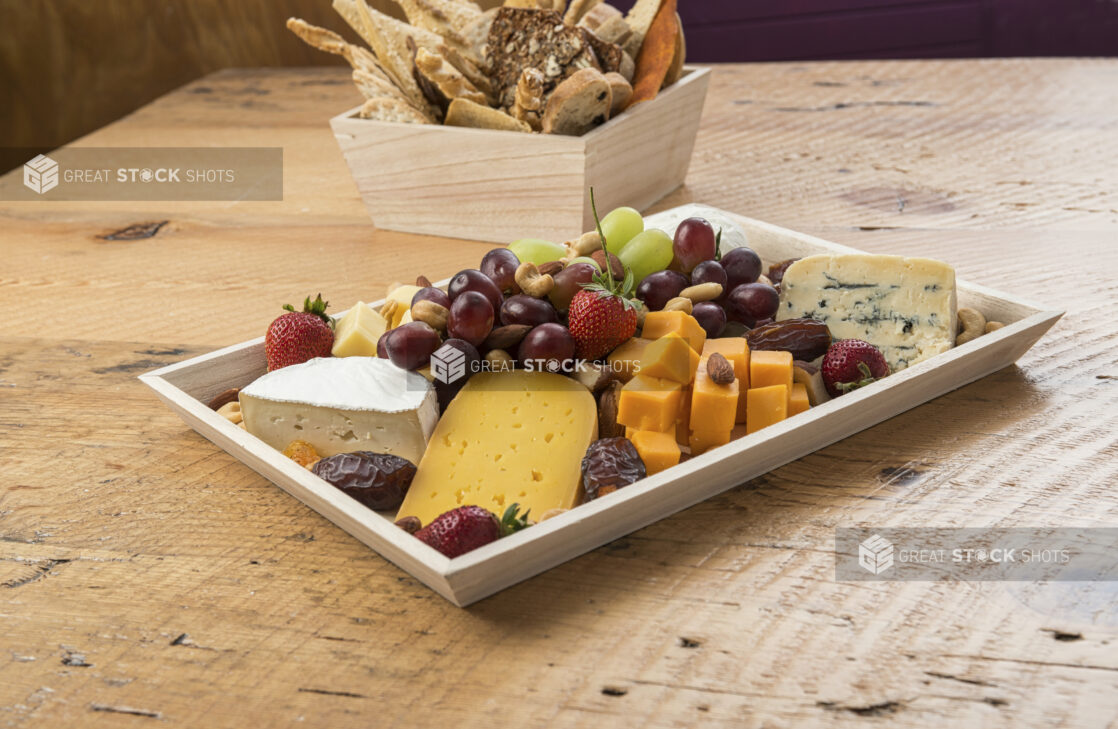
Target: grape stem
<point>602,235</point>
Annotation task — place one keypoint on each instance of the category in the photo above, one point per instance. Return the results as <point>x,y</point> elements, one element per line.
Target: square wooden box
<point>187,386</point>
<point>499,186</point>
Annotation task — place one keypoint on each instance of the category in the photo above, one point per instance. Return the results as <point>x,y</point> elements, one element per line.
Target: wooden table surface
<point>147,578</point>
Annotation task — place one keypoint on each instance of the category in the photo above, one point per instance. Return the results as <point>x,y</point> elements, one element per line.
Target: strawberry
<point>600,320</point>
<point>298,336</point>
<point>850,364</point>
<point>604,313</point>
<point>468,527</point>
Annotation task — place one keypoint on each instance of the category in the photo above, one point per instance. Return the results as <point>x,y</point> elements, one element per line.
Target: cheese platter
<point>617,425</point>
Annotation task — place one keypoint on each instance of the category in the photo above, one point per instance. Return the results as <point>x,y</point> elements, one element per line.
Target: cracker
<point>469,69</point>
<point>640,20</point>
<point>577,9</point>
<point>445,77</point>
<point>389,109</point>
<point>465,113</point>
<point>443,17</point>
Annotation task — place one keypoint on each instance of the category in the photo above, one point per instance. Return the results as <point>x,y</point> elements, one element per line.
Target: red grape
<point>382,344</point>
<point>444,391</point>
<point>568,282</point>
<point>471,317</point>
<point>742,266</point>
<point>500,265</point>
<point>658,288</point>
<point>710,272</point>
<point>711,317</point>
<point>474,280</point>
<point>411,345</point>
<point>522,309</point>
<point>430,293</point>
<point>549,348</point>
<point>751,302</point>
<point>694,243</point>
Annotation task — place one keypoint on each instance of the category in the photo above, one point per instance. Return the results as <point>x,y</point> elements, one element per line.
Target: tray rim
<point>469,577</point>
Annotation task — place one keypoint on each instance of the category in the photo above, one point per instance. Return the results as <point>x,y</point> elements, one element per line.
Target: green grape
<point>620,227</point>
<point>537,250</point>
<point>648,252</point>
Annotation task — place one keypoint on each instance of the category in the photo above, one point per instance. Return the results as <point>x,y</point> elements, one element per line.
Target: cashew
<point>431,313</point>
<point>680,304</point>
<point>764,279</point>
<point>702,292</point>
<point>552,513</point>
<point>993,326</point>
<point>972,325</point>
<point>532,282</point>
<point>231,411</point>
<point>586,244</point>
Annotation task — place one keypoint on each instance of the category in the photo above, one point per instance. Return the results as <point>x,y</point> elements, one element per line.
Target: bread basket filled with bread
<point>493,124</point>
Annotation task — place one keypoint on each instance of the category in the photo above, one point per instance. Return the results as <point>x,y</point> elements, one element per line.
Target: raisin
<point>377,480</point>
<point>609,464</point>
<point>806,339</point>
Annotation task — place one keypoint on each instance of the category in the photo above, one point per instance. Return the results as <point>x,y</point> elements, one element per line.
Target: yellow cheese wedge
<point>507,437</point>
<point>356,333</point>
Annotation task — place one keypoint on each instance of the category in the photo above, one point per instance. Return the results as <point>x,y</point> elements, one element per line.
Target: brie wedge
<point>340,405</point>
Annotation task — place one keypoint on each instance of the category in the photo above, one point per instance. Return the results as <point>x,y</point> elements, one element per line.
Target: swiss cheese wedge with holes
<point>507,437</point>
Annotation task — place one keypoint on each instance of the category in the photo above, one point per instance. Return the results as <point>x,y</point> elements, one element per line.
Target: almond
<point>719,369</point>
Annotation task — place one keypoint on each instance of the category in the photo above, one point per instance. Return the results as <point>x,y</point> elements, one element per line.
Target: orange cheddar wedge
<point>736,350</point>
<point>671,358</point>
<point>660,323</point>
<point>649,403</point>
<point>767,406</point>
<point>658,450</point>
<point>683,419</point>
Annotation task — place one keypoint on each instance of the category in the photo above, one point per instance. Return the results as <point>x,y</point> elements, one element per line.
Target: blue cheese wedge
<point>340,405</point>
<point>903,306</point>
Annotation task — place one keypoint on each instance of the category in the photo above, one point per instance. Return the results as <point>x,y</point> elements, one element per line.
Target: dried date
<point>377,480</point>
<point>609,464</point>
<point>776,271</point>
<point>806,339</point>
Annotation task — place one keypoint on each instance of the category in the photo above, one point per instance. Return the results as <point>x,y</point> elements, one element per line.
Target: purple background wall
<point>776,30</point>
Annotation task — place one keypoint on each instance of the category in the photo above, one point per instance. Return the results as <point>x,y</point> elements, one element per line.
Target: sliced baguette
<point>620,91</point>
<point>640,20</point>
<point>579,104</point>
<point>443,76</point>
<point>577,9</point>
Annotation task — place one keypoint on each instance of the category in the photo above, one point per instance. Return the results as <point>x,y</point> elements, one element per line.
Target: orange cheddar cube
<point>767,406</point>
<point>660,323</point>
<point>770,368</point>
<point>625,361</point>
<point>702,441</point>
<point>714,407</point>
<point>649,403</point>
<point>736,350</point>
<point>670,358</point>
<point>798,402</point>
<point>657,450</point>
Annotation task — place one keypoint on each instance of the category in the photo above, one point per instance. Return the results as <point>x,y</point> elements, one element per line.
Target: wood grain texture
<point>145,576</point>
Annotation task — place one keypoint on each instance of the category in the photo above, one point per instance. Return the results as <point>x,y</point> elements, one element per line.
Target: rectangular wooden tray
<point>187,386</point>
<point>484,184</point>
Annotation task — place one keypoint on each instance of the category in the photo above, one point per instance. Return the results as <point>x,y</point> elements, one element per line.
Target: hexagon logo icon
<point>40,174</point>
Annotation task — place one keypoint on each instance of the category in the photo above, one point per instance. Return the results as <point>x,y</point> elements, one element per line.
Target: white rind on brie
<point>905,307</point>
<point>733,235</point>
<point>340,405</point>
